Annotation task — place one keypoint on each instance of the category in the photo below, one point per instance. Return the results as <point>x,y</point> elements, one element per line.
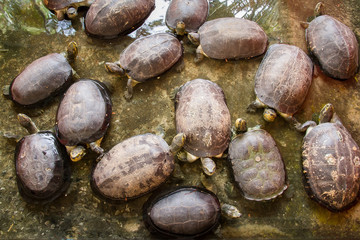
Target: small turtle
<point>334,45</point>
<point>146,58</point>
<point>83,117</point>
<point>256,163</point>
<point>331,163</point>
<point>43,78</point>
<point>185,16</point>
<point>110,19</point>
<point>202,115</point>
<point>60,7</point>
<point>282,82</point>
<point>134,167</point>
<point>41,165</point>
<point>186,212</point>
<point>229,38</point>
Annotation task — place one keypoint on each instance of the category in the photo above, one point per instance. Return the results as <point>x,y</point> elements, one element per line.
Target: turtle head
<point>71,51</point>
<point>326,113</point>
<point>71,12</point>
<point>240,125</point>
<point>180,28</point>
<point>76,153</point>
<point>114,67</point>
<point>26,122</point>
<point>269,114</point>
<point>194,38</point>
<point>177,143</point>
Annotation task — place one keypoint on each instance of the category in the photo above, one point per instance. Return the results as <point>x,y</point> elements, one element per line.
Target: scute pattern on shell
<point>133,168</point>
<point>84,113</point>
<point>111,18</point>
<point>41,79</point>
<point>202,115</point>
<point>284,78</point>
<point>232,38</point>
<point>257,165</point>
<point>150,56</point>
<point>331,164</point>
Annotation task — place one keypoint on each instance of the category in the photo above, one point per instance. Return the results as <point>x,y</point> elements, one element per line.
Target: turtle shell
<point>186,212</point>
<point>334,45</point>
<point>150,56</point>
<point>61,4</point>
<point>232,38</point>
<point>84,113</point>
<point>42,167</point>
<point>41,79</point>
<point>257,165</point>
<point>192,12</point>
<point>331,166</point>
<point>109,18</point>
<point>132,168</point>
<point>203,116</point>
<point>283,78</point>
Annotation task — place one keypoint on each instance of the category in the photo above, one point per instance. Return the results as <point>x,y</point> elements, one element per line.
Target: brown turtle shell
<point>84,113</point>
<point>232,38</point>
<point>202,115</point>
<point>257,165</point>
<point>283,78</point>
<point>61,4</point>
<point>192,12</point>
<point>334,45</point>
<point>132,168</point>
<point>42,167</point>
<point>150,56</point>
<point>41,79</point>
<point>331,166</point>
<point>109,18</point>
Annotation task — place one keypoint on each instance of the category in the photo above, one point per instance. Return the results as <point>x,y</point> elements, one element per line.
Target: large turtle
<point>256,163</point>
<point>83,117</point>
<point>282,82</point>
<point>185,16</point>
<point>41,164</point>
<point>334,45</point>
<point>109,19</point>
<point>134,167</point>
<point>43,78</point>
<point>202,115</point>
<point>146,58</point>
<point>229,38</point>
<point>60,7</point>
<point>331,163</point>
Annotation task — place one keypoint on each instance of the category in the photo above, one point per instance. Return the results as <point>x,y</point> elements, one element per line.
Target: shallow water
<point>80,215</point>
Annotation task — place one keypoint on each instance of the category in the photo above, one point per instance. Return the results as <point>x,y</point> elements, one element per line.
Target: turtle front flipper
<point>199,54</point>
<point>300,127</point>
<point>95,146</point>
<point>255,105</point>
<point>131,83</point>
<point>208,166</point>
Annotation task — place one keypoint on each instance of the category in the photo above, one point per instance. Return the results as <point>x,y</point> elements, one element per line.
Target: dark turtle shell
<point>331,166</point>
<point>187,212</point>
<point>334,45</point>
<point>150,56</point>
<point>109,18</point>
<point>202,115</point>
<point>132,168</point>
<point>232,38</point>
<point>284,78</point>
<point>257,165</point>
<point>42,167</point>
<point>41,79</point>
<point>61,4</point>
<point>84,113</point>
<point>193,13</point>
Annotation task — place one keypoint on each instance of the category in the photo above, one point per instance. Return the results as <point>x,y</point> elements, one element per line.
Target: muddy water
<point>80,215</point>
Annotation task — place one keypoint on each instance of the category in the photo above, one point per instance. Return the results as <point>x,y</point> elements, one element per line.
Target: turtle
<point>109,19</point>
<point>333,44</point>
<point>42,166</point>
<point>146,58</point>
<point>43,78</point>
<point>60,7</point>
<point>256,163</point>
<point>331,163</point>
<point>229,38</point>
<point>83,117</point>
<point>202,115</point>
<point>134,167</point>
<point>183,212</point>
<point>184,16</point>
<point>282,82</point>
